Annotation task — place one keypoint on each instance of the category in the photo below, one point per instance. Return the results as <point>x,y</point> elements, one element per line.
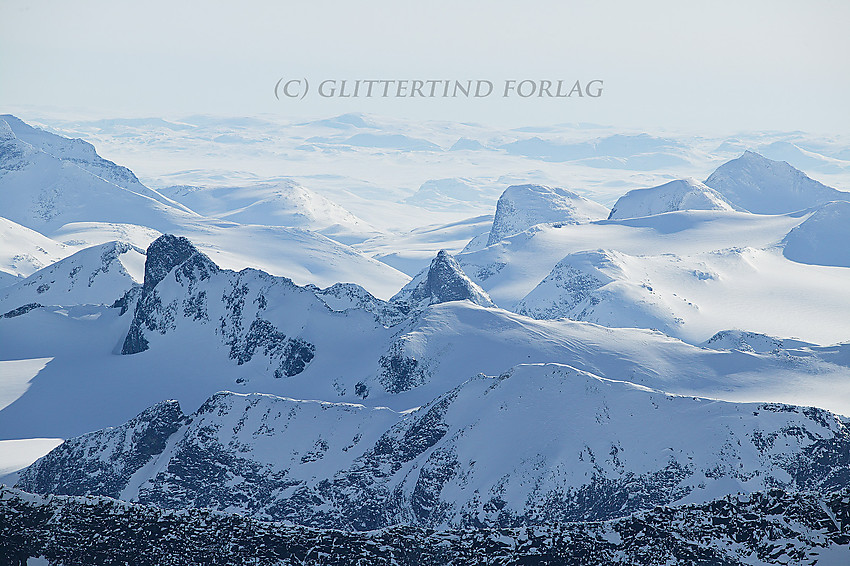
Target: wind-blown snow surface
<point>824,238</point>
<point>25,251</point>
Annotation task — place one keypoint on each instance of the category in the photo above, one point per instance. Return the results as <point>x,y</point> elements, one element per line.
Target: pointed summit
<point>164,255</point>
<point>442,282</point>
<point>763,186</point>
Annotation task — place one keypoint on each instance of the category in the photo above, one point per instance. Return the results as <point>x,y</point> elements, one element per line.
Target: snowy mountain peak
<point>96,275</point>
<point>283,203</point>
<point>763,186</point>
<point>442,282</point>
<point>522,206</point>
<point>681,194</point>
<point>72,150</point>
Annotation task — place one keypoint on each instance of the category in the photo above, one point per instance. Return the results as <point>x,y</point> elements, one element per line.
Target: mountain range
<point>571,370</point>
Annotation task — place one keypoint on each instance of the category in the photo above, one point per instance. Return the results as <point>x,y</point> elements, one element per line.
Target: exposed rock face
<point>522,206</point>
<point>764,186</point>
<point>444,281</point>
<point>177,258</point>
<point>164,255</point>
<point>682,194</point>
<point>770,527</point>
<point>103,462</point>
<point>478,456</point>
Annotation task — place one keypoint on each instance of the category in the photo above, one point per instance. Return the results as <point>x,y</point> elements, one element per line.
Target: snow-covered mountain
<point>763,186</point>
<point>522,206</point>
<point>195,329</point>
<point>97,275</point>
<point>69,151</point>
<point>822,239</point>
<point>571,363</point>
<point>682,194</point>
<point>441,282</point>
<point>44,191</point>
<point>25,251</point>
<point>74,196</point>
<point>286,203</point>
<point>620,448</point>
<point>688,273</point>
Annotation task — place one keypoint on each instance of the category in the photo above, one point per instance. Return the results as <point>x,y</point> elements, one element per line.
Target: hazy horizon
<point>724,66</point>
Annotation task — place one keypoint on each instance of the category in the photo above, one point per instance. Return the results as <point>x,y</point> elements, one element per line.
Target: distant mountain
<point>97,275</point>
<point>522,206</point>
<point>44,191</point>
<point>823,238</point>
<point>285,203</point>
<point>493,452</point>
<point>69,196</point>
<point>683,194</point>
<point>763,186</point>
<point>73,151</point>
<point>443,281</point>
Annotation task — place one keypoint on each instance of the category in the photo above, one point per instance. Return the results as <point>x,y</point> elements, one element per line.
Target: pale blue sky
<point>666,64</point>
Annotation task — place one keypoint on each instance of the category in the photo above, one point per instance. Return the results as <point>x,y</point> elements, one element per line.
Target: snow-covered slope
<point>479,455</point>
<point>286,203</point>
<point>522,206</point>
<point>72,151</point>
<point>197,329</point>
<point>44,191</point>
<point>25,251</point>
<point>688,273</point>
<point>97,275</point>
<point>764,186</point>
<point>682,194</point>
<point>823,239</point>
<point>62,197</point>
<point>410,252</point>
<point>693,297</point>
